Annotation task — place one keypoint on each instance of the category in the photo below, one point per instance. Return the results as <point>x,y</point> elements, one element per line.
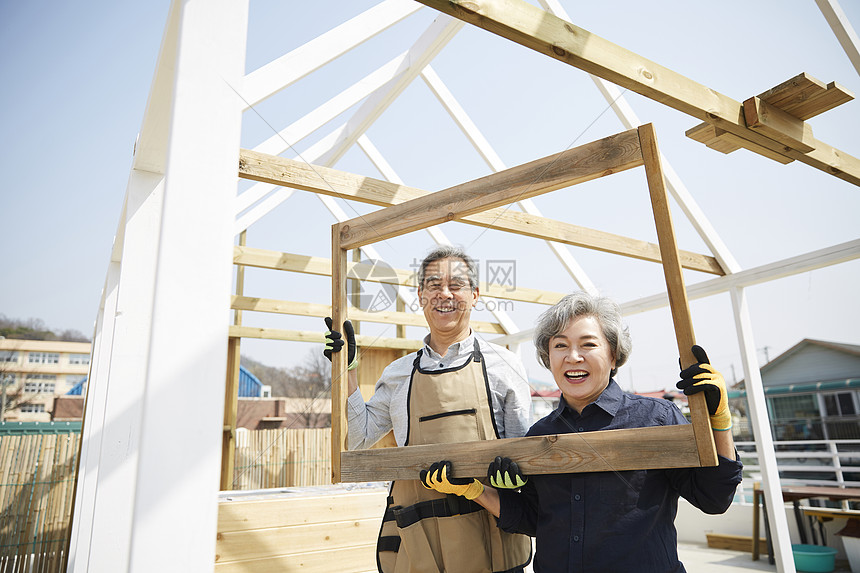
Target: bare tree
<point>312,383</point>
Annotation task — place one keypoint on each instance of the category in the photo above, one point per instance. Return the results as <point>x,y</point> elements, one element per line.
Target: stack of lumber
<point>313,529</point>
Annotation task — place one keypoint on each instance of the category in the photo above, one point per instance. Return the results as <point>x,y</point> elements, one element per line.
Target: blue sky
<point>77,76</point>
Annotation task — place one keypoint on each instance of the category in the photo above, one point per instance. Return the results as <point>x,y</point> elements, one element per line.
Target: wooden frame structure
<point>181,193</point>
<point>691,446</point>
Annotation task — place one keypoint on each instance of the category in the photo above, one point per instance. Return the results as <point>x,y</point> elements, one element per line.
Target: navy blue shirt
<point>605,522</point>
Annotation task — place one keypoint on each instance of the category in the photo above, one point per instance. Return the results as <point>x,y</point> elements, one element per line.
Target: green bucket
<point>814,558</point>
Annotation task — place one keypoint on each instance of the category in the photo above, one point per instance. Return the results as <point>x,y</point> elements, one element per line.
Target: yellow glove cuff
<point>474,490</point>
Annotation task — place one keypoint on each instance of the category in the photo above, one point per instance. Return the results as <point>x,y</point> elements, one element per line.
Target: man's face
<point>580,360</point>
<point>446,297</point>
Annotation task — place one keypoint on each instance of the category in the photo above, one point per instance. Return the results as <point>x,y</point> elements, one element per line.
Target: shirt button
<point>441,365</point>
<point>577,497</point>
<point>576,537</point>
<point>581,429</point>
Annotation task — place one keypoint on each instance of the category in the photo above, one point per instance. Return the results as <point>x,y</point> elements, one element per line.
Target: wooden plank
<point>358,559</point>
<point>323,310</point>
<point>339,363</point>
<point>733,139</point>
<point>318,337</point>
<point>277,260</point>
<point>804,96</point>
<point>675,287</point>
<point>548,229</point>
<point>596,159</point>
<point>735,542</point>
<point>528,25</point>
<point>778,125</point>
<point>606,450</point>
<point>834,96</point>
<point>373,362</point>
<point>281,171</point>
<point>704,133</point>
<point>283,541</point>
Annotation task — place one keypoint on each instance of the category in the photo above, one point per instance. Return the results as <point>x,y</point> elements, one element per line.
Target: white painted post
<point>175,506</point>
<point>763,438</point>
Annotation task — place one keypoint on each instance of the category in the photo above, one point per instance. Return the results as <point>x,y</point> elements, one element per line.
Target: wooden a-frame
<point>642,448</point>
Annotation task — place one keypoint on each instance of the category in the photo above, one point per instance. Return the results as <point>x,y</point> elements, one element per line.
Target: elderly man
<point>457,388</point>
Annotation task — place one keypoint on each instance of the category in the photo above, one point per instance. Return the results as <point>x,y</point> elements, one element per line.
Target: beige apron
<point>424,531</point>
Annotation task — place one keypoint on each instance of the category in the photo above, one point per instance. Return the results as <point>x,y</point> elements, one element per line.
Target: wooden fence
<point>282,458</point>
<point>37,475</point>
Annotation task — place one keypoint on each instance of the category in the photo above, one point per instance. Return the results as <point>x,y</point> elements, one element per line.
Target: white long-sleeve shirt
<point>386,409</point>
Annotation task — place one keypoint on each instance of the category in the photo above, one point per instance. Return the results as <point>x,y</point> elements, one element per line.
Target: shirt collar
<point>609,400</point>
<point>455,349</point>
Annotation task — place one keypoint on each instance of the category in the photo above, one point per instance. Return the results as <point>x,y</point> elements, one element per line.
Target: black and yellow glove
<point>702,377</point>
<point>504,473</point>
<point>437,477</point>
<point>334,342</point>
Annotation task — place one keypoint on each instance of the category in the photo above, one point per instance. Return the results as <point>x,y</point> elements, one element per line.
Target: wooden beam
<point>590,161</point>
<point>731,139</point>
<point>521,22</point>
<point>778,125</point>
<point>323,310</point>
<point>339,362</point>
<point>552,230</point>
<point>298,175</point>
<point>606,450</point>
<point>675,286</point>
<point>276,260</point>
<point>805,97</point>
<point>318,337</point>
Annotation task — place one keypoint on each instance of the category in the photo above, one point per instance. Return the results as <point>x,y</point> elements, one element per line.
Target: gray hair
<point>605,310</point>
<point>449,252</point>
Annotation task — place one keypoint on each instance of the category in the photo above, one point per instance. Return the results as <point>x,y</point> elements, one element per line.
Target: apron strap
<point>446,507</point>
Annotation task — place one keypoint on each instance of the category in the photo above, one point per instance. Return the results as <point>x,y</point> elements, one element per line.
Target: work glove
<point>702,377</point>
<point>504,473</point>
<point>436,478</point>
<point>334,342</point>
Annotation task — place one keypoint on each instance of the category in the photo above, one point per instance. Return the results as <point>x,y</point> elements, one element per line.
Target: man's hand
<point>702,377</point>
<point>334,342</point>
<point>437,477</point>
<point>504,473</point>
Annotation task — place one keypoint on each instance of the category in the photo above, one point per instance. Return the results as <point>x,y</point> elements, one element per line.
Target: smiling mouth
<point>445,310</point>
<point>575,375</point>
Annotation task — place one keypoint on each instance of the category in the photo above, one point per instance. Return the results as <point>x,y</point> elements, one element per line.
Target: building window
<point>73,379</point>
<point>841,404</point>
<point>31,387</point>
<point>79,358</point>
<point>32,408</point>
<point>44,358</point>
<point>8,356</point>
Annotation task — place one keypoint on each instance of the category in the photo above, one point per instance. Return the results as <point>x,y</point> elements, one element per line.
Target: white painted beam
<point>806,262</point>
<point>175,512</point>
<point>290,136</point>
<point>480,143</point>
<point>289,68</point>
<point>676,187</point>
<point>838,22</point>
<point>771,485</point>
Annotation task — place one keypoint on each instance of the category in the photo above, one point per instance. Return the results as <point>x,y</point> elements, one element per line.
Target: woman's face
<point>580,360</point>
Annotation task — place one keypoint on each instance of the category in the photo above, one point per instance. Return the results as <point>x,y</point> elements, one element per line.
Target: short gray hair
<point>449,252</point>
<point>605,310</point>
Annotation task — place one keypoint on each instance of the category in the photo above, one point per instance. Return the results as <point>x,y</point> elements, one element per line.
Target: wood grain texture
<point>276,260</point>
<point>778,125</point>
<point>529,26</point>
<point>678,302</point>
<point>590,161</point>
<point>607,450</point>
<point>339,360</point>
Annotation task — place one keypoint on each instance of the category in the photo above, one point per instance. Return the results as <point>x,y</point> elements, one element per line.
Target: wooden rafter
<point>297,175</point>
<point>597,451</point>
<point>541,31</point>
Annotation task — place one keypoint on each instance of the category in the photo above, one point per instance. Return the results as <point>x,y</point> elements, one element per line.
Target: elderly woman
<point>604,521</point>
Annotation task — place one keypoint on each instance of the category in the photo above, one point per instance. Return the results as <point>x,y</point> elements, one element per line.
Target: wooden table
<point>794,494</point>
